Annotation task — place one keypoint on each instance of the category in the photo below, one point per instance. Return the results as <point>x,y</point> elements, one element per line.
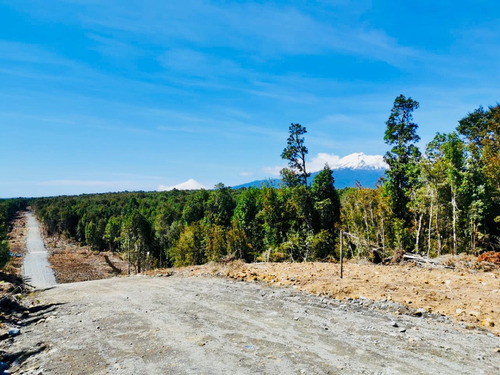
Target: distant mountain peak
<point>359,160</point>
<point>190,184</point>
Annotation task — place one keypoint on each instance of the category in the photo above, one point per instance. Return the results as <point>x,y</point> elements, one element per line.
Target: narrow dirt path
<point>196,325</point>
<point>36,268</point>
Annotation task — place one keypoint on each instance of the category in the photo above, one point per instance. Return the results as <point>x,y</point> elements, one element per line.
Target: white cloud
<point>318,162</point>
<point>82,183</point>
<point>246,174</point>
<point>273,171</point>
<point>190,184</point>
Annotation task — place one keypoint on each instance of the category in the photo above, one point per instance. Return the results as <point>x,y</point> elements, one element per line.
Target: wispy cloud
<point>273,171</point>
<point>265,29</point>
<point>83,183</point>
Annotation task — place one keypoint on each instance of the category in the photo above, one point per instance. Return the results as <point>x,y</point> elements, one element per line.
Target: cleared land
<point>189,325</point>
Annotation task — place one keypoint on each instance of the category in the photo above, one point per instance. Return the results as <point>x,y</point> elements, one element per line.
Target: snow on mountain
<point>359,160</point>
<point>356,161</point>
<point>190,184</point>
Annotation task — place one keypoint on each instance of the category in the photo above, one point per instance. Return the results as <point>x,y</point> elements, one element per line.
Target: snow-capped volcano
<point>359,160</point>
<point>356,161</point>
<point>190,184</point>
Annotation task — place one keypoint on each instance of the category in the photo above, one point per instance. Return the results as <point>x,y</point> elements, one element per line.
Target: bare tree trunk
<point>418,232</point>
<point>454,207</point>
<point>430,229</point>
<point>383,235</point>
<point>128,246</point>
<point>438,234</point>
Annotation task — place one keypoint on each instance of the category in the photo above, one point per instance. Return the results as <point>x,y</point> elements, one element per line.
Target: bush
<point>4,253</point>
<point>323,245</point>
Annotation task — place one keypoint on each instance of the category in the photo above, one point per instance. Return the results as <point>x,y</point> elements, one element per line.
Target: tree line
<point>8,210</point>
<point>442,200</point>
<point>194,227</point>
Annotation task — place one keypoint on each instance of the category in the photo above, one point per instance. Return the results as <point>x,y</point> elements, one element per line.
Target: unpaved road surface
<point>36,268</point>
<point>202,325</point>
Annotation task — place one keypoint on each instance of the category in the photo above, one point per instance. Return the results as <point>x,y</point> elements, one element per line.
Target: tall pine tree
<point>403,158</point>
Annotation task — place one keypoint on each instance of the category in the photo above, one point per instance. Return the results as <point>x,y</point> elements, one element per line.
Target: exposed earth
<point>288,318</point>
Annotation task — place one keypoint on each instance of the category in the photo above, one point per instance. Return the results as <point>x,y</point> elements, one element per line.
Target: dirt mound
<point>490,256</point>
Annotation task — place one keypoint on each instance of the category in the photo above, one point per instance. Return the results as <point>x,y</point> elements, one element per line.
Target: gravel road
<point>197,325</point>
<point>36,268</point>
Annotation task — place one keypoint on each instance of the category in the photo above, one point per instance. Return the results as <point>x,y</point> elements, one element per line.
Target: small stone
<point>394,324</point>
<point>14,332</point>
<point>402,330</point>
<point>419,312</point>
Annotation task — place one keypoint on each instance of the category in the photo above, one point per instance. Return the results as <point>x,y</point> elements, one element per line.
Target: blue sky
<point>115,95</point>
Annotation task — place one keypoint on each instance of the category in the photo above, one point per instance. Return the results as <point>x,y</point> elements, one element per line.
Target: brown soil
<point>467,296</point>
<point>17,244</point>
<point>72,262</point>
<point>490,256</point>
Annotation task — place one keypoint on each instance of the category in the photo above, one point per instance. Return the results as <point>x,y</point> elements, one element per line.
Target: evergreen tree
<point>295,152</point>
<point>327,201</point>
<point>403,159</point>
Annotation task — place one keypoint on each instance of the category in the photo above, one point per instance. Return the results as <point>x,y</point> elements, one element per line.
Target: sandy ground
<point>36,269</point>
<point>199,325</point>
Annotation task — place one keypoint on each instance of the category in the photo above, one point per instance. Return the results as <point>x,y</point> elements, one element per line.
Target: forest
<point>441,200</point>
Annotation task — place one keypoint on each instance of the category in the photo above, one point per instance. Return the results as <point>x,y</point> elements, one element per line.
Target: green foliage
<point>323,245</point>
<point>215,240</point>
<point>295,152</point>
<point>327,201</point>
<point>368,220</point>
<point>4,253</point>
<point>190,249</point>
<point>403,159</point>
<point>238,245</point>
<point>220,206</point>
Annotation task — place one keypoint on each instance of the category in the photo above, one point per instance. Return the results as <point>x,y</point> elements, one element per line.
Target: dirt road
<point>36,268</point>
<point>200,325</point>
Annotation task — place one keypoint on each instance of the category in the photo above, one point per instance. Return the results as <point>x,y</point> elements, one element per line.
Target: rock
<point>14,332</point>
<point>419,312</point>
<point>394,324</point>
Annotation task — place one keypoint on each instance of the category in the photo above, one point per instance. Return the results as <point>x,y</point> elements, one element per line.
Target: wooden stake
<point>341,255</point>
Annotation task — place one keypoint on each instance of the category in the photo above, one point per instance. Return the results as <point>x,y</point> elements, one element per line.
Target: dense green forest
<point>441,200</point>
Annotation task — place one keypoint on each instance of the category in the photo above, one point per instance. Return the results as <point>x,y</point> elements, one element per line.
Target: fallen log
<point>424,260</point>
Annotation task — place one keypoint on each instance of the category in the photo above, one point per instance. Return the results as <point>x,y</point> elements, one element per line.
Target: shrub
<point>4,253</point>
